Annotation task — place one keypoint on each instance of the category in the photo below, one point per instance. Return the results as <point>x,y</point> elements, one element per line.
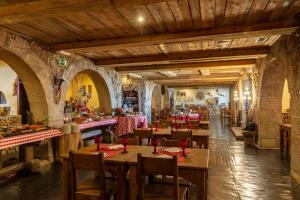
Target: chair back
<point>87,162</point>
<point>173,143</point>
<point>131,140</point>
<point>181,134</point>
<point>157,166</point>
<point>143,133</point>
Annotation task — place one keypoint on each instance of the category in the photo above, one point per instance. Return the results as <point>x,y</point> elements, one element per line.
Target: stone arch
<point>270,103</point>
<point>32,82</point>
<point>103,85</point>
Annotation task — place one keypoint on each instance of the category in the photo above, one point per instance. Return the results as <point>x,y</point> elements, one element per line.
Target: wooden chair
<point>182,134</point>
<point>143,134</point>
<point>166,179</point>
<point>91,188</point>
<point>226,114</point>
<point>131,140</point>
<point>159,166</point>
<point>173,143</point>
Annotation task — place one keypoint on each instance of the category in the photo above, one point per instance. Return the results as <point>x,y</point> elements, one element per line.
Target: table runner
<point>28,138</point>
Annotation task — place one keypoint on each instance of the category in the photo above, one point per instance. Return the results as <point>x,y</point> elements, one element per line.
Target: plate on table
<point>114,147</point>
<point>173,150</point>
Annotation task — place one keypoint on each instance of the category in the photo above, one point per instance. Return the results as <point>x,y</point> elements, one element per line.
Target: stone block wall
<point>282,63</point>
<point>37,66</point>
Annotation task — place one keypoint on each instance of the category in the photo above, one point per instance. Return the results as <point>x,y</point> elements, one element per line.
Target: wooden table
<point>285,138</point>
<point>194,169</point>
<point>199,135</point>
<point>116,165</point>
<point>204,124</point>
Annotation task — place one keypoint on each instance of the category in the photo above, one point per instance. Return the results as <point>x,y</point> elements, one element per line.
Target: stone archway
<point>33,86</point>
<point>270,104</point>
<point>105,95</point>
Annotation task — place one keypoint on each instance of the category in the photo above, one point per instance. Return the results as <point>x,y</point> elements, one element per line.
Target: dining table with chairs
<point>122,161</point>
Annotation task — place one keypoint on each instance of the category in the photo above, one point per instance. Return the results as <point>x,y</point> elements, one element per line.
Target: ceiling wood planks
<point>194,66</point>
<point>147,36</point>
<point>208,55</point>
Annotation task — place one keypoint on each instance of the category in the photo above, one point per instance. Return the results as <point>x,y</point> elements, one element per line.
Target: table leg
<point>197,177</point>
<point>281,140</point>
<point>287,144</point>
<point>132,183</point>
<point>65,175</point>
<point>121,183</point>
<point>203,140</point>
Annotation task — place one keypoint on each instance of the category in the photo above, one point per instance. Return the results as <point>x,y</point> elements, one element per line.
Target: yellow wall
<point>7,80</point>
<point>285,97</point>
<point>80,80</point>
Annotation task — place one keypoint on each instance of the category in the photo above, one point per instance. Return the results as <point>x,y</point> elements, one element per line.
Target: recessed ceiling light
<point>141,19</point>
<point>286,3</point>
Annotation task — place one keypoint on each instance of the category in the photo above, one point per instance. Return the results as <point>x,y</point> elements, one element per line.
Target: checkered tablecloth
<point>28,138</point>
<point>87,125</point>
<point>127,124</point>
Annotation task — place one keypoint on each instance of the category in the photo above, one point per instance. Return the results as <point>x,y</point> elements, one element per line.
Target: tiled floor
<point>234,173</point>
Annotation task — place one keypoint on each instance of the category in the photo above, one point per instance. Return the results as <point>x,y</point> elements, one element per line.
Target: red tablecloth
<point>127,124</point>
<point>28,138</point>
<point>103,122</point>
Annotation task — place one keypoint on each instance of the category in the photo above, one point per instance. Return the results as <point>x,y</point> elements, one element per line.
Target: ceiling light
<point>134,75</point>
<point>169,74</point>
<point>141,19</point>
<point>64,53</point>
<point>205,72</point>
<point>286,3</point>
<point>261,39</point>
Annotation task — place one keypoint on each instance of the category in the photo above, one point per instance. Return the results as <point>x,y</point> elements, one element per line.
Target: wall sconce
<point>236,96</point>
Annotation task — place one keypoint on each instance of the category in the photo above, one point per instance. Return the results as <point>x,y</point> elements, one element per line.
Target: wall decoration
<point>202,96</point>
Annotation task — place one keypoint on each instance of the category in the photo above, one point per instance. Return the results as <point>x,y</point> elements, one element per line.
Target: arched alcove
<point>99,84</point>
<point>286,98</point>
<point>34,89</point>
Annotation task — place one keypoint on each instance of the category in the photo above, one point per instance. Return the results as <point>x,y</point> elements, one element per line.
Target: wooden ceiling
<point>150,36</point>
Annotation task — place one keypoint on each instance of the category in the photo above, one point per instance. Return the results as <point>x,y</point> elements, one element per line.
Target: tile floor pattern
<point>235,173</point>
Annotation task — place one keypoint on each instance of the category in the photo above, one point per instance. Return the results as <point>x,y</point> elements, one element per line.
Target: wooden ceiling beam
<point>23,10</point>
<point>195,76</point>
<point>283,27</point>
<point>195,56</point>
<point>194,66</point>
<point>228,84</point>
<point>185,85</point>
<point>195,80</point>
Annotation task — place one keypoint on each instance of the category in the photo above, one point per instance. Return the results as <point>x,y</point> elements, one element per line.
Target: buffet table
<point>94,124</point>
<point>29,138</point>
<point>126,124</point>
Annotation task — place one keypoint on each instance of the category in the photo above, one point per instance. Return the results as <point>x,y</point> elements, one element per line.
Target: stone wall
<point>283,62</point>
<point>37,67</point>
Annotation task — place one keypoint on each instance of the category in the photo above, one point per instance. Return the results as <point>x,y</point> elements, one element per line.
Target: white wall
<point>191,95</point>
<point>7,80</point>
